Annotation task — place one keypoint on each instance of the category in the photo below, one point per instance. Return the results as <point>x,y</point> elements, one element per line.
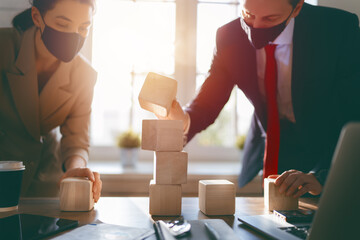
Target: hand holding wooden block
<point>162,135</point>
<point>274,200</point>
<point>157,94</point>
<point>170,167</point>
<point>217,197</point>
<point>164,200</point>
<point>76,194</point>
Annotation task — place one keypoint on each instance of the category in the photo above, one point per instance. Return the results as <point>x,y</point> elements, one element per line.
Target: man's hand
<point>177,113</point>
<point>76,168</point>
<point>296,183</point>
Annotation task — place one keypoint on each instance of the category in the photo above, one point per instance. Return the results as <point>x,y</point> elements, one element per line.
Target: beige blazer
<point>28,121</point>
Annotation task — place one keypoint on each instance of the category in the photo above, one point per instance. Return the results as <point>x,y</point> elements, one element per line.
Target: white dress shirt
<point>283,56</point>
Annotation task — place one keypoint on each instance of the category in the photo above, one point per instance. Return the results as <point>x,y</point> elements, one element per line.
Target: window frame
<point>185,74</point>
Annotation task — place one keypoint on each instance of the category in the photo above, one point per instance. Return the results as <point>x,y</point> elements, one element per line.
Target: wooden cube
<point>164,200</point>
<point>157,94</point>
<point>170,167</point>
<point>217,197</point>
<point>162,135</point>
<point>273,200</point>
<point>76,194</point>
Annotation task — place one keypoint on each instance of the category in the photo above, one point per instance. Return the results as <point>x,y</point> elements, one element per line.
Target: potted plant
<point>240,142</point>
<point>129,143</point>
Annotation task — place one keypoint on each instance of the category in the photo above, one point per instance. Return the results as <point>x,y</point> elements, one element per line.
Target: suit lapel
<point>24,85</point>
<point>243,66</point>
<point>54,93</point>
<point>248,73</point>
<point>259,104</point>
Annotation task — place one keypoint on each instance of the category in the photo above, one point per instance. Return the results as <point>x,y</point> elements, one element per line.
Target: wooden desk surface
<point>134,211</point>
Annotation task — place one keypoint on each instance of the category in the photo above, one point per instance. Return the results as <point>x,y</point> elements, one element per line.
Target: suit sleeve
<point>75,130</point>
<point>349,77</point>
<point>347,85</point>
<point>213,94</point>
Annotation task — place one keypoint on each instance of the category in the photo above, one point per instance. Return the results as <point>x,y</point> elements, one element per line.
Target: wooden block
<point>157,94</point>
<point>273,200</point>
<point>162,135</point>
<point>170,167</point>
<point>217,197</point>
<point>164,200</point>
<point>76,194</point>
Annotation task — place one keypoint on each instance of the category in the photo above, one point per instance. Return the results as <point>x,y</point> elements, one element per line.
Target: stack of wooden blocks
<point>165,138</point>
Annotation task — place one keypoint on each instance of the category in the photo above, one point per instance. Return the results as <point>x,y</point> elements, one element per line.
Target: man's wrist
<point>320,175</point>
<point>187,122</point>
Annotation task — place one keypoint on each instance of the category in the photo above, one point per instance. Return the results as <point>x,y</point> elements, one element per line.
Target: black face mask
<point>63,45</point>
<point>260,37</point>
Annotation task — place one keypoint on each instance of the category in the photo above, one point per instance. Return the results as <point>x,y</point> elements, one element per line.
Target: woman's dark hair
<point>23,20</point>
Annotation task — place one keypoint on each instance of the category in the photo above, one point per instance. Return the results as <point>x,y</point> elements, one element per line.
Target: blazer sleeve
<point>75,129</point>
<point>347,85</point>
<point>213,94</point>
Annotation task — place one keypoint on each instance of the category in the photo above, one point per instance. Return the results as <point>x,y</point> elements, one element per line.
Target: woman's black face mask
<point>63,45</point>
<point>260,37</point>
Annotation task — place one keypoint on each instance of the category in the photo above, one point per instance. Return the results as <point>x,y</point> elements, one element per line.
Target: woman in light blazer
<point>46,85</point>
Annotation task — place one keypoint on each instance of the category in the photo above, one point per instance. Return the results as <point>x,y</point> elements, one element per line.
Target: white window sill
<point>146,167</point>
<point>118,181</point>
<point>196,153</point>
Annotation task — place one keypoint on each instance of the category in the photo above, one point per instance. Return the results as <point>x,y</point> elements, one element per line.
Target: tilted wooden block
<point>164,200</point>
<point>273,200</point>
<point>157,94</point>
<point>162,135</point>
<point>217,197</point>
<point>76,194</point>
<point>170,167</point>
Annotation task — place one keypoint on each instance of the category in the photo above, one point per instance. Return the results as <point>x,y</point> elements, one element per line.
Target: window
<point>235,117</point>
<point>130,39</point>
<point>175,38</point>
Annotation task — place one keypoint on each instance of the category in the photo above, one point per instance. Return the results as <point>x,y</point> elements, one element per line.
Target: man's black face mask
<point>260,37</point>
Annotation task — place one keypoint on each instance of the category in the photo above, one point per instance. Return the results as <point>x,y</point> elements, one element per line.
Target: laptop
<point>338,214</point>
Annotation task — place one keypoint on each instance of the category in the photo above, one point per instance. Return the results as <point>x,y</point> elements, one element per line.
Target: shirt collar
<point>286,36</point>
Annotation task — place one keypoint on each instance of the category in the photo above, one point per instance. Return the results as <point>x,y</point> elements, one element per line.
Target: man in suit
<point>298,65</point>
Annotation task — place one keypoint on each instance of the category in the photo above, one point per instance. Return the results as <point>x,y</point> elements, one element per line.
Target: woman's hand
<point>76,168</point>
<point>296,183</point>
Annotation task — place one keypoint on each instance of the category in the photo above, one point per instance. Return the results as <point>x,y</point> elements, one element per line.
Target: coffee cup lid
<point>11,165</point>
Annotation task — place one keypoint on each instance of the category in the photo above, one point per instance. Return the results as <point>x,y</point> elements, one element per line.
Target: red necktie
<point>273,123</point>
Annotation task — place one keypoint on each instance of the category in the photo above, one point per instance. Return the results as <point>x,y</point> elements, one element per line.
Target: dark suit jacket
<point>325,90</point>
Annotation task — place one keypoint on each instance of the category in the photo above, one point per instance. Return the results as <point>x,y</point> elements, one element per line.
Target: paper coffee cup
<point>11,173</point>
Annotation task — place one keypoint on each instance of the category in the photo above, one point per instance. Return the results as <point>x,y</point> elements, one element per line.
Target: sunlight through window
<point>129,40</point>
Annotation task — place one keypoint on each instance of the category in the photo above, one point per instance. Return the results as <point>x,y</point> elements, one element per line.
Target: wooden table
<point>134,212</point>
